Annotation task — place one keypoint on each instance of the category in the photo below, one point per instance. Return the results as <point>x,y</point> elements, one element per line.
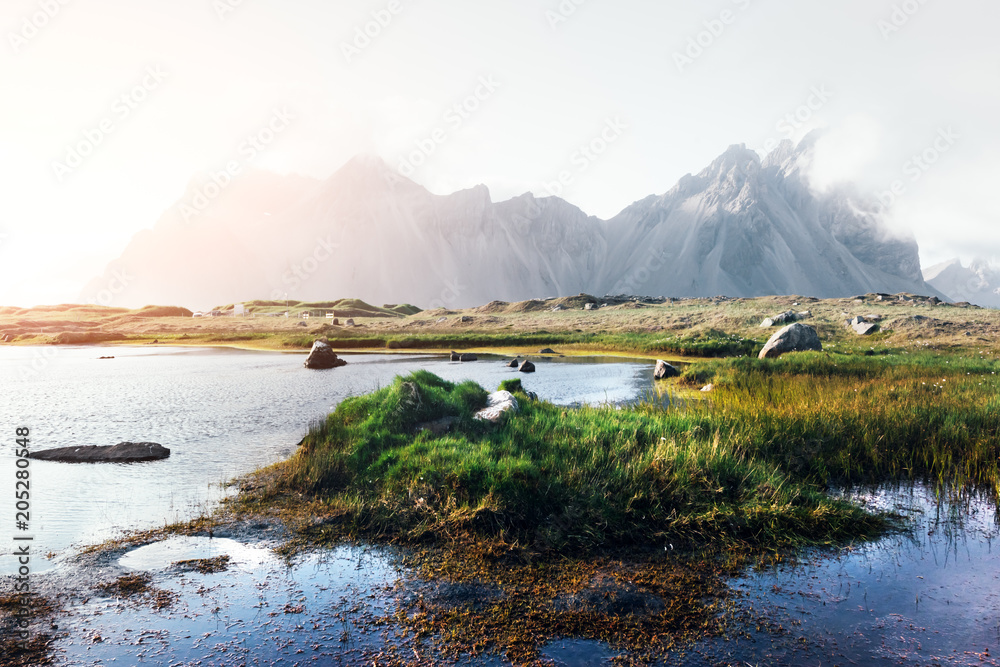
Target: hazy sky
<point>111,107</point>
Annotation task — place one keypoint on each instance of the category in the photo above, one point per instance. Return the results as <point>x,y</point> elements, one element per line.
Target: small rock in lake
<point>514,364</point>
<point>527,367</point>
<point>664,371</point>
<point>468,357</point>
<point>322,357</point>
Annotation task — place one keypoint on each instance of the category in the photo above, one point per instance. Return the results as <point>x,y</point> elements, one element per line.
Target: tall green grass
<point>852,419</point>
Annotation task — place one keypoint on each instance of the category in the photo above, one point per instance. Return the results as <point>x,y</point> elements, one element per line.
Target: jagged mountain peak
<point>737,160</point>
<point>369,173</point>
<point>791,158</point>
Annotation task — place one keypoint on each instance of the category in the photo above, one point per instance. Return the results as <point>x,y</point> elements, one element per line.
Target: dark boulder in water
<point>322,357</point>
<point>123,452</point>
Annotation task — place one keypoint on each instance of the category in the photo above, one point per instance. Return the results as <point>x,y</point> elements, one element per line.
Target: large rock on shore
<point>123,452</point>
<point>796,337</point>
<point>322,357</point>
<point>664,371</point>
<point>497,404</point>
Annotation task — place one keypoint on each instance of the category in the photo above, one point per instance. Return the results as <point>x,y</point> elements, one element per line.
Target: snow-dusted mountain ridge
<point>979,283</point>
<point>741,227</point>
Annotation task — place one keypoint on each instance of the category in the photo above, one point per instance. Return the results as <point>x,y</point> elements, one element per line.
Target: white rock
<point>497,404</point>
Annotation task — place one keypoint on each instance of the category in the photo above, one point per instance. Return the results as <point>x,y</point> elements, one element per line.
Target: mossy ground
<point>38,649</point>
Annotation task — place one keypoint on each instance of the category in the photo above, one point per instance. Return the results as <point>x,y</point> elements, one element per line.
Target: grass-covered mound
<point>345,308</point>
<point>163,311</point>
<point>550,479</point>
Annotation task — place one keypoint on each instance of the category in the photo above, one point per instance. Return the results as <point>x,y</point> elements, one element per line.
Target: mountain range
<point>978,283</point>
<point>743,226</point>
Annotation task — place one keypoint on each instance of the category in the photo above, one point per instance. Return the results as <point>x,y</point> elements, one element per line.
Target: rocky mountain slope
<point>742,227</point>
<point>979,283</point>
<point>746,227</point>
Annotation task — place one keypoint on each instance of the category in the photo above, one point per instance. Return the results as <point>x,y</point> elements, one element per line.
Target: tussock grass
<point>855,419</point>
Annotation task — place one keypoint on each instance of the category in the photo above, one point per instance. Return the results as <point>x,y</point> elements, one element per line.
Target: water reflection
<point>927,596</point>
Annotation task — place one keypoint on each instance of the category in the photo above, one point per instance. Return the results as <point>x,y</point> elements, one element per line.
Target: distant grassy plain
<point>690,327</point>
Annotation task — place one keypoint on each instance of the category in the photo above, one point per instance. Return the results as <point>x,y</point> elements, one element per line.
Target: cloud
<point>847,153</point>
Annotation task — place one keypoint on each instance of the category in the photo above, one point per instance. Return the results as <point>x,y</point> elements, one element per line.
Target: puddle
<point>162,555</point>
<point>578,653</point>
<point>259,611</point>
